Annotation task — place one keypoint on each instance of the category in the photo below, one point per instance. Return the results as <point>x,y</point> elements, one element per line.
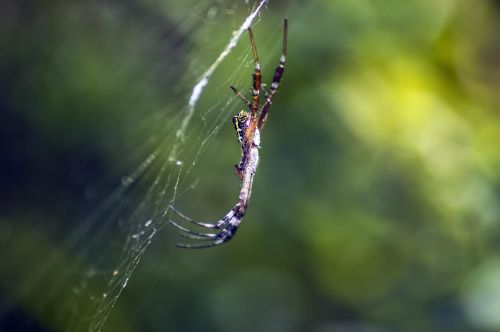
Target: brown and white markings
<point>248,126</point>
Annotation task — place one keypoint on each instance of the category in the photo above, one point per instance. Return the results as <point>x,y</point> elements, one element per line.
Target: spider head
<point>242,117</point>
<point>240,122</point>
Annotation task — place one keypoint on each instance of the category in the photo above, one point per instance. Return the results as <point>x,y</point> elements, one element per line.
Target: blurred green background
<point>375,207</point>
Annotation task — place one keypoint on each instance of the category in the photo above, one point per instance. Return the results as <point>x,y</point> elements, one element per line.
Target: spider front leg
<point>241,96</point>
<point>278,74</point>
<point>257,78</point>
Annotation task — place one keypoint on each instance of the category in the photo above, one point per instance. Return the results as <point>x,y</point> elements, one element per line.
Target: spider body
<point>248,126</point>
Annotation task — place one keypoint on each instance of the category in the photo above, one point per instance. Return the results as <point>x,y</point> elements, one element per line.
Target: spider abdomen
<point>253,160</point>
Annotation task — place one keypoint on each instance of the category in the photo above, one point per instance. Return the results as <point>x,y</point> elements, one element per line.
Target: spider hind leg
<point>216,225</point>
<point>228,226</point>
<point>186,232</point>
<point>216,239</point>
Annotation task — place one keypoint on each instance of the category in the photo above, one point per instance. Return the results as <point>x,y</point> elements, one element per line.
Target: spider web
<point>130,220</point>
<point>165,186</point>
<point>152,214</point>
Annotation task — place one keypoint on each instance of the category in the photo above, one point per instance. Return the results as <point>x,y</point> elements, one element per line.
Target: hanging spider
<point>248,126</point>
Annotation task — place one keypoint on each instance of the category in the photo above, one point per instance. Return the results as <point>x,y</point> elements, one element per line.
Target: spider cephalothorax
<point>248,126</point>
<point>241,122</point>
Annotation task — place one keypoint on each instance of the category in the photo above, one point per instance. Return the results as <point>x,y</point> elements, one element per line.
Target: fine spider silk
<point>248,126</point>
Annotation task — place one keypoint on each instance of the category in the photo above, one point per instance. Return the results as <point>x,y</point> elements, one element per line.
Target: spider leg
<point>242,97</point>
<point>192,234</point>
<point>257,78</point>
<point>257,75</point>
<point>195,237</point>
<point>231,222</point>
<point>216,225</point>
<point>224,236</point>
<point>278,73</point>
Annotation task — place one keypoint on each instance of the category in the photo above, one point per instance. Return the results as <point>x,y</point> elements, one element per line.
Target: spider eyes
<point>243,116</point>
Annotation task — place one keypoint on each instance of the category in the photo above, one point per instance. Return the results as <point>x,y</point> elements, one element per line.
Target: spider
<point>248,126</point>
